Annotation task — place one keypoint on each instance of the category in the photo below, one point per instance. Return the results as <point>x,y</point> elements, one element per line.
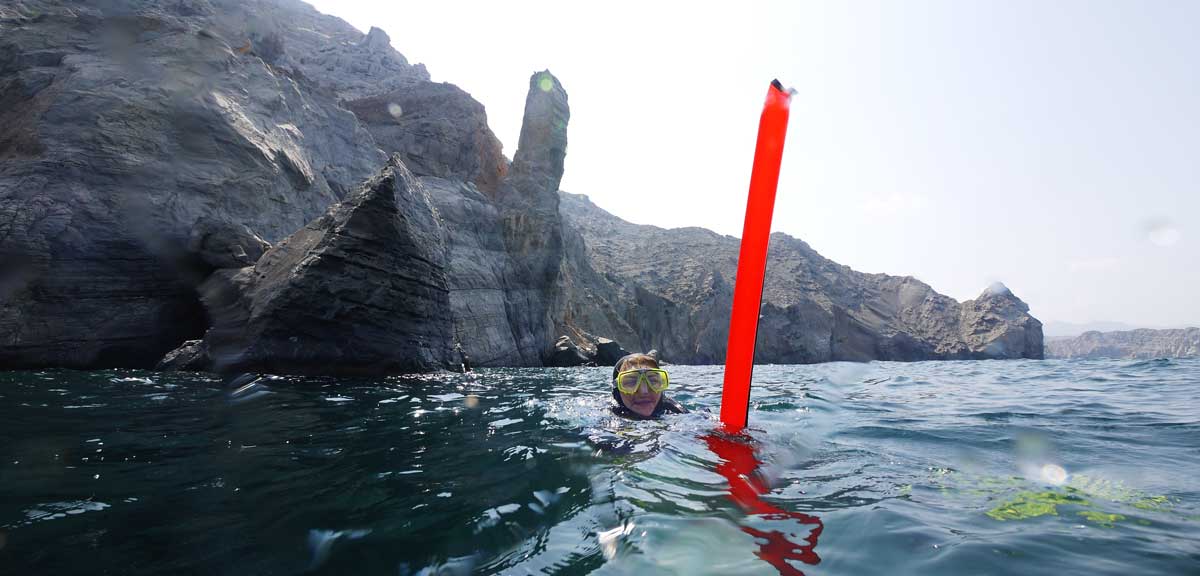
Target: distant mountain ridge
<point>1052,329</point>
<point>671,290</point>
<point>1143,343</point>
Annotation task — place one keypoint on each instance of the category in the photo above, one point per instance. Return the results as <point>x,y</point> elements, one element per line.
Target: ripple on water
<point>929,468</point>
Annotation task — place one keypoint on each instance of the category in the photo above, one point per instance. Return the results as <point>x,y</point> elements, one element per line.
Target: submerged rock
<point>360,290</point>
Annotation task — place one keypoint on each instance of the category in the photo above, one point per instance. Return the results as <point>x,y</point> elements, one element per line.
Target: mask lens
<point>628,382</point>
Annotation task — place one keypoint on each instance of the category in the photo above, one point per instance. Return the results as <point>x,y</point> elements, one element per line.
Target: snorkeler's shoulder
<point>673,406</point>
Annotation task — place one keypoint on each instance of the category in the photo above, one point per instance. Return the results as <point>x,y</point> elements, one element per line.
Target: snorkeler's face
<point>643,401</point>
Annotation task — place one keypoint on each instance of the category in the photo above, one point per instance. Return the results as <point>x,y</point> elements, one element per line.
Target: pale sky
<point>1054,146</point>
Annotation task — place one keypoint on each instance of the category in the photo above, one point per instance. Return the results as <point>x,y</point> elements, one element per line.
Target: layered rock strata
<point>124,124</point>
<point>502,228</point>
<point>360,290</point>
<point>147,144</point>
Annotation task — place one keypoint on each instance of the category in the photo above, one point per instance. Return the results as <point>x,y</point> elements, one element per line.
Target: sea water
<point>991,467</point>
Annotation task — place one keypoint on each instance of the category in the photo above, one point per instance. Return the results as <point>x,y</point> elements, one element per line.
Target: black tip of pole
<point>777,85</point>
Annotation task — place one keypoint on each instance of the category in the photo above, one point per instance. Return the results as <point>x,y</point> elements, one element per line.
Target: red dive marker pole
<point>752,260</point>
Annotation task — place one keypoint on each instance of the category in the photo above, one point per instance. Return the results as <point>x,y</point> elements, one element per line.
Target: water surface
<point>987,467</point>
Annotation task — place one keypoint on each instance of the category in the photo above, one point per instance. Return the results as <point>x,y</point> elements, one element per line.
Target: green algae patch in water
<point>1153,503</point>
<point>1033,504</point>
<point>1116,491</point>
<point>1085,491</point>
<point>1104,519</point>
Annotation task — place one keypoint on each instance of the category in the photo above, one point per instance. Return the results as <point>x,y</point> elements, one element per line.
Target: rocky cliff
<point>1141,343</point>
<point>504,242</point>
<point>147,144</point>
<point>251,185</point>
<point>126,123</point>
<point>672,289</point>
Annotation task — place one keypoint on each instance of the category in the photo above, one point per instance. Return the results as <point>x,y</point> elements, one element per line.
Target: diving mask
<point>655,378</point>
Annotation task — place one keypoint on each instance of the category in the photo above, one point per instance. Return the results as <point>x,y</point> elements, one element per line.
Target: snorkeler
<point>638,385</point>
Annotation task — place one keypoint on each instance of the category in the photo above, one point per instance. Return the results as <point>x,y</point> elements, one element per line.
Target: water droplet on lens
<point>1054,474</point>
<point>1163,234</point>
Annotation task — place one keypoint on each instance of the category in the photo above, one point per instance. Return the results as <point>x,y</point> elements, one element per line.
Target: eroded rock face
<point>125,123</point>
<point>438,130</point>
<point>531,226</point>
<point>998,324</point>
<point>147,143</point>
<point>542,149</point>
<point>149,148</point>
<point>672,290</point>
<point>1142,344</point>
<point>504,250</point>
<point>360,290</point>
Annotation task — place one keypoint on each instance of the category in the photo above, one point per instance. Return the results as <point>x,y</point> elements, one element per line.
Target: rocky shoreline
<point>1140,344</point>
<point>255,186</point>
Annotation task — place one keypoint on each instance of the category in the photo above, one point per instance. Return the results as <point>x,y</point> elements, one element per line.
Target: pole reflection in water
<point>740,467</point>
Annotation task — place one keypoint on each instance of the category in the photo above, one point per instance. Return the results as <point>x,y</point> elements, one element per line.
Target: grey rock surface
<point>672,289</point>
<point>504,250</point>
<point>147,143</point>
<point>438,130</point>
<point>360,290</point>
<point>608,352</point>
<point>567,354</point>
<point>192,356</point>
<point>152,150</point>
<point>530,222</point>
<point>225,244</point>
<point>1142,343</point>
<point>123,123</point>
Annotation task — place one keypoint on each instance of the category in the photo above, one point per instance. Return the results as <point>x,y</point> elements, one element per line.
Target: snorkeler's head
<point>641,383</point>
<point>632,362</point>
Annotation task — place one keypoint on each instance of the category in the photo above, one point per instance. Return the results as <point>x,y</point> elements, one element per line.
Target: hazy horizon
<point>1045,146</point>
